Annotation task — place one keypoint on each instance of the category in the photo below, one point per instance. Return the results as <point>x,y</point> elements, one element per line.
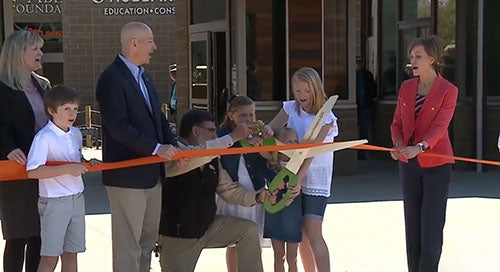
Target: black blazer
<point>18,199</point>
<point>129,129</point>
<point>17,119</point>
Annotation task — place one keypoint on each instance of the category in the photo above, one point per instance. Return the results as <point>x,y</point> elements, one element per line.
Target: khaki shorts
<point>62,222</point>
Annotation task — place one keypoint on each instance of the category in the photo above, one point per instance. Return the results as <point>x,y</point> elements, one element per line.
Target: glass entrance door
<point>208,68</point>
<point>406,35</point>
<point>416,19</point>
<point>200,75</point>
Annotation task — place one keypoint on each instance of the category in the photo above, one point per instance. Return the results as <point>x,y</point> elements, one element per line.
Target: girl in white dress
<point>315,175</point>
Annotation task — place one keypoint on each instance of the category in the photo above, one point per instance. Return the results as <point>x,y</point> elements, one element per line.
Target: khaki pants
<point>181,255</point>
<point>135,218</point>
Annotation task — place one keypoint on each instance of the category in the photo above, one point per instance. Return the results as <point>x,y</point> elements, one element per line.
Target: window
<point>199,75</point>
<point>203,11</point>
<point>446,28</point>
<point>416,9</point>
<point>388,43</point>
<point>335,48</point>
<point>470,22</point>
<point>491,48</point>
<point>52,35</point>
<point>266,54</point>
<point>2,23</point>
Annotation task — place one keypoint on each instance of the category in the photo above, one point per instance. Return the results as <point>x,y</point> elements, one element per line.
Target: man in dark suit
<point>133,126</point>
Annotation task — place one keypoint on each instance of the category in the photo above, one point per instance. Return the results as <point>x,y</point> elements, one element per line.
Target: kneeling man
<point>188,221</point>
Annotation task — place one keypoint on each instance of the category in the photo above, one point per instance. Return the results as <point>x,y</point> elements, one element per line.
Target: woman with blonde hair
<point>21,115</point>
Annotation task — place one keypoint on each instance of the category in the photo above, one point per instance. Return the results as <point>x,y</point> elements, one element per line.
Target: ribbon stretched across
<point>10,170</point>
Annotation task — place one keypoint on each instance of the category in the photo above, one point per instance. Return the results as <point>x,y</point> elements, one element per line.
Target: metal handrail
<point>90,125</point>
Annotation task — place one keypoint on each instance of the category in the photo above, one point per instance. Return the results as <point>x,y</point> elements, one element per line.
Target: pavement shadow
<point>378,180</point>
<point>96,199</point>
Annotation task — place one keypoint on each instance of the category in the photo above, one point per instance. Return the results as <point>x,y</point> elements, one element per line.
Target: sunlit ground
<point>362,237</point>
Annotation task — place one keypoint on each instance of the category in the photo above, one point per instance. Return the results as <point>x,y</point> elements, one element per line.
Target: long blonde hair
<point>234,104</point>
<point>313,80</point>
<point>13,70</point>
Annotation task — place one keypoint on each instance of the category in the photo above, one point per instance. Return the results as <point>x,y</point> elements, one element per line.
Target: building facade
<point>82,37</point>
<point>252,47</point>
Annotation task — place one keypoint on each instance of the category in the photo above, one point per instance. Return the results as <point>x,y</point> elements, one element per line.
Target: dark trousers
<point>16,249</point>
<point>364,121</point>
<point>425,192</point>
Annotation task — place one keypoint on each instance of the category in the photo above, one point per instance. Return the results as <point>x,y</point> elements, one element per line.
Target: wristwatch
<point>421,147</point>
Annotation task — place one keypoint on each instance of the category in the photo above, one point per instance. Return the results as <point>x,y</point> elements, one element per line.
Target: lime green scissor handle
<point>273,186</point>
<point>265,142</point>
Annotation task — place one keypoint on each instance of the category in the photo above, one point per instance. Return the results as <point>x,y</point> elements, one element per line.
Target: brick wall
<point>32,11</point>
<point>381,128</point>
<point>346,160</point>
<point>92,40</point>
<point>182,52</point>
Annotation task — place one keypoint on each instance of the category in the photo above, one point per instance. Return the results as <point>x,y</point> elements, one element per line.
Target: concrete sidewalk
<point>363,226</point>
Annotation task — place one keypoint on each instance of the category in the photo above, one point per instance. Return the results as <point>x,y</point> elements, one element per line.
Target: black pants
<point>15,249</point>
<point>364,121</point>
<point>425,192</point>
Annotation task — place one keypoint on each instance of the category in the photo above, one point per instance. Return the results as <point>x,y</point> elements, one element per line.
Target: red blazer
<point>431,125</point>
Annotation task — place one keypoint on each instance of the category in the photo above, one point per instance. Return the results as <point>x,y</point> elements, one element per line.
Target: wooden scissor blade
<point>313,151</point>
<point>299,155</point>
<point>319,119</point>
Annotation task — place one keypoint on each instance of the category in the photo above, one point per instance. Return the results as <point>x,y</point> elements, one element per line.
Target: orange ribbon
<point>427,154</point>
<point>10,170</point>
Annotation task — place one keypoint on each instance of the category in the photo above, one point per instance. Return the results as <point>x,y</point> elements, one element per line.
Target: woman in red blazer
<point>424,110</point>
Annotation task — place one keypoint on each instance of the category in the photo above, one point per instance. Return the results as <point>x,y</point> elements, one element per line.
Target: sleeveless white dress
<point>319,175</point>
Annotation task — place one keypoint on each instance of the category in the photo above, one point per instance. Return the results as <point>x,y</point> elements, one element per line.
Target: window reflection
<point>335,52</point>
<point>408,35</point>
<point>446,31</point>
<point>416,9</point>
<point>266,54</point>
<point>2,38</point>
<point>491,48</point>
<point>388,50</point>
<point>52,35</point>
<point>203,11</point>
<point>199,69</point>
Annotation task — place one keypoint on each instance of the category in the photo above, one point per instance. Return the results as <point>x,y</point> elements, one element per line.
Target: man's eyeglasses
<point>211,130</point>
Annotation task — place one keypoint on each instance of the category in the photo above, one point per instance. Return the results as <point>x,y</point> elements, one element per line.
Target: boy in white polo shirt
<point>61,204</point>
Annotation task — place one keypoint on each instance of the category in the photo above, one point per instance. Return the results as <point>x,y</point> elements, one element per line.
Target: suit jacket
<point>431,125</point>
<point>17,119</point>
<point>129,129</point>
<point>369,89</point>
<point>18,199</point>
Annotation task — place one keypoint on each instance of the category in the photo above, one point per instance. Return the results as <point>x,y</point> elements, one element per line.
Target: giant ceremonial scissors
<point>297,157</point>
